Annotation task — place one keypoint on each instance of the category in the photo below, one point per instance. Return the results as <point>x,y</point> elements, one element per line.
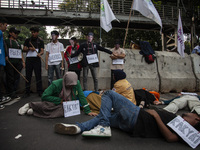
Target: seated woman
<point>60,90</point>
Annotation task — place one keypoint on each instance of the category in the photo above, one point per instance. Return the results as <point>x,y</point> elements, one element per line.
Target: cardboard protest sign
<point>71,108</point>
<point>187,132</point>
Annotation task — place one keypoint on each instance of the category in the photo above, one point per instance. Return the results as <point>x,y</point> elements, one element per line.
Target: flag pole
<point>128,24</point>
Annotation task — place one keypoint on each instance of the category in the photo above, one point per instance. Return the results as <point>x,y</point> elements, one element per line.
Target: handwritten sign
<point>118,61</point>
<point>73,60</point>
<point>32,53</point>
<point>71,108</point>
<point>55,57</point>
<point>92,58</point>
<point>187,132</point>
<point>15,53</point>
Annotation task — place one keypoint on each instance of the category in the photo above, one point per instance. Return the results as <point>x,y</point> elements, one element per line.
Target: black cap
<point>35,29</point>
<point>54,32</point>
<point>14,30</point>
<point>73,38</point>
<point>90,34</point>
<point>119,75</point>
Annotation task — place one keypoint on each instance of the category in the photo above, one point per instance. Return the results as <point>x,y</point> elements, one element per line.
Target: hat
<point>35,29</point>
<point>90,34</point>
<point>13,30</point>
<point>73,38</point>
<point>119,75</point>
<point>55,32</point>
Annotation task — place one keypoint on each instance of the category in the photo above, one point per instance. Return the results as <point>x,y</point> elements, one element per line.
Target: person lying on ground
<point>66,89</point>
<point>127,117</point>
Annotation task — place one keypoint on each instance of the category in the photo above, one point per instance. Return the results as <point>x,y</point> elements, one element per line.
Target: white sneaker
<point>67,128</point>
<point>30,111</point>
<point>23,110</point>
<point>98,131</point>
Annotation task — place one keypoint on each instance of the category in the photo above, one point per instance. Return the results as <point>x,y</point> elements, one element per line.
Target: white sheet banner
<point>187,132</point>
<point>15,53</point>
<point>55,57</point>
<point>32,53</point>
<point>73,60</point>
<point>92,58</point>
<point>71,108</point>
<point>118,61</point>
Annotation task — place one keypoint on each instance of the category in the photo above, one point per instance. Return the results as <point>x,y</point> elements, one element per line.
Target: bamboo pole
<point>17,70</point>
<point>37,52</point>
<point>128,24</point>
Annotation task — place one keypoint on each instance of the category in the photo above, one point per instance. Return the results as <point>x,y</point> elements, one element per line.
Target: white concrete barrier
<point>196,68</point>
<point>176,73</point>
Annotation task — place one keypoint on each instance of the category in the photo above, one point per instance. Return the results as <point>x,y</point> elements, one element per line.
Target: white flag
<point>180,37</point>
<point>107,16</point>
<point>147,9</point>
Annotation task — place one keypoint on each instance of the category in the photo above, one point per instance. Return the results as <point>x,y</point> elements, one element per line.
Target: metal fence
<point>121,7</point>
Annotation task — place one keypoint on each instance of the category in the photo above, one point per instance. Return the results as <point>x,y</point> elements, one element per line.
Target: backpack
<point>147,52</point>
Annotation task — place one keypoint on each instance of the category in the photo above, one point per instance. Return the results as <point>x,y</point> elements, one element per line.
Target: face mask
<point>53,37</point>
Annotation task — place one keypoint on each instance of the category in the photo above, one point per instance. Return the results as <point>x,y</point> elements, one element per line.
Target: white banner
<point>180,37</point>
<point>32,53</point>
<point>187,132</point>
<point>92,58</point>
<point>73,60</point>
<point>118,61</point>
<point>106,16</point>
<point>147,9</point>
<point>15,53</point>
<point>71,108</point>
<point>55,57</point>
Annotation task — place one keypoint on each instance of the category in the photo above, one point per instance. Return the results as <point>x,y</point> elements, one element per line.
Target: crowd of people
<point>120,107</point>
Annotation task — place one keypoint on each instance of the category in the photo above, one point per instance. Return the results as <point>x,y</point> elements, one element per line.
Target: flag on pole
<point>180,37</point>
<point>2,50</point>
<point>147,9</point>
<point>107,16</point>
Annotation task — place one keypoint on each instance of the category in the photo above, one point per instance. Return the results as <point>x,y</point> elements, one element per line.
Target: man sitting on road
<point>129,118</point>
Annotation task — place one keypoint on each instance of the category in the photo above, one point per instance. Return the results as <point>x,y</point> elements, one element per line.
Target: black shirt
<point>38,43</point>
<point>146,125</point>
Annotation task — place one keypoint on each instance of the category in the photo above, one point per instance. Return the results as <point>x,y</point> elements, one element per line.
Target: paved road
<point>38,133</point>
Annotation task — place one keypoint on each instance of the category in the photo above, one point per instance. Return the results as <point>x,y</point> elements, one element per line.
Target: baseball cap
<point>90,34</point>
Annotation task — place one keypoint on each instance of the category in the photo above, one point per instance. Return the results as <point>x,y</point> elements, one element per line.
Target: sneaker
<point>23,110</point>
<point>2,106</point>
<point>70,129</point>
<point>30,111</point>
<point>98,131</point>
<point>5,100</point>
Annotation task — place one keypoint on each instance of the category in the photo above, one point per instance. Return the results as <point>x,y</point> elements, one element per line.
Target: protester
<point>90,60</point>
<point>34,46</point>
<point>54,57</point>
<point>60,90</point>
<point>117,60</point>
<point>16,58</point>
<point>129,118</point>
<point>3,27</point>
<point>122,86</point>
<point>75,67</point>
<point>196,50</point>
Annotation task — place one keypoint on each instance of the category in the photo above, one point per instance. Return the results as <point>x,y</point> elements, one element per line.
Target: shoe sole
<point>96,135</point>
<point>61,129</point>
<point>5,102</point>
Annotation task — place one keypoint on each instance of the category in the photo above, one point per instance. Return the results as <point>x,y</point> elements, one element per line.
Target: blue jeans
<point>51,69</point>
<point>124,116</point>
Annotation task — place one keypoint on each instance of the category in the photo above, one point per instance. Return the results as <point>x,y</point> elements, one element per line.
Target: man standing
<point>54,57</point>
<point>117,62</point>
<point>15,57</point>
<point>90,59</point>
<point>34,46</point>
<point>3,27</point>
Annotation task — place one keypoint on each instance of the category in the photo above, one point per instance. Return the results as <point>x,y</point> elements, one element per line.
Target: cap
<point>55,32</point>
<point>119,75</point>
<point>90,34</point>
<point>14,30</point>
<point>73,38</point>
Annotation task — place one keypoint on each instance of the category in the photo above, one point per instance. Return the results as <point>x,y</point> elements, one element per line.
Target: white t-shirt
<point>54,48</point>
